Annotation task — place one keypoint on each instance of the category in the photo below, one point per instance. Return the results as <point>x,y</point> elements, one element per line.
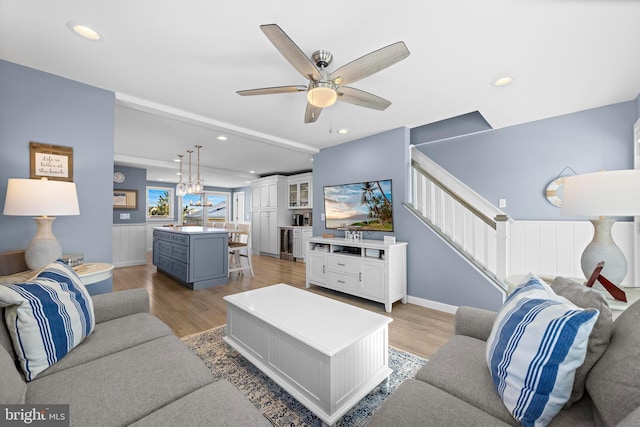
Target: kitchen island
<point>197,257</point>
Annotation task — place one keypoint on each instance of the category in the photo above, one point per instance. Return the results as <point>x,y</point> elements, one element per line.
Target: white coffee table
<point>326,354</point>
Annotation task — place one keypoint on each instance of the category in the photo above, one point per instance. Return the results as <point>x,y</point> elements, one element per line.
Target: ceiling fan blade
<point>362,98</point>
<point>312,113</point>
<point>370,63</point>
<point>272,90</point>
<point>291,51</point>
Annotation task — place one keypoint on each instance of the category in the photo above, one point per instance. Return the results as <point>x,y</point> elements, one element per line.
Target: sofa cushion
<point>12,387</point>
<point>126,386</point>
<point>613,382</point>
<point>111,337</point>
<point>218,403</point>
<point>585,297</point>
<point>538,341</point>
<point>47,317</point>
<point>460,368</point>
<point>417,403</point>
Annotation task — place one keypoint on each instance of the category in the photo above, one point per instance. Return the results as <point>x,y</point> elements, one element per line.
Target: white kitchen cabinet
<point>268,212</point>
<point>300,191</point>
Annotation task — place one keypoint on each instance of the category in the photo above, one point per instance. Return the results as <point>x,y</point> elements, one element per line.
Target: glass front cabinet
<point>300,191</point>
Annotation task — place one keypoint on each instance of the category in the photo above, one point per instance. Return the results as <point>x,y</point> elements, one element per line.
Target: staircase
<point>472,226</point>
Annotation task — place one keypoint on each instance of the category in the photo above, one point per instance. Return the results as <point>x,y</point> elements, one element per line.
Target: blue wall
<point>40,107</point>
<point>434,271</point>
<point>516,163</point>
<point>135,179</point>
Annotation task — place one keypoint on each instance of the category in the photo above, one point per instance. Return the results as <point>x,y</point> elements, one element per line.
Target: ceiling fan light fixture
<point>322,95</point>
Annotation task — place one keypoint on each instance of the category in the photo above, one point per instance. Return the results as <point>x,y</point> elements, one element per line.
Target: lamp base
<point>603,248</point>
<point>44,248</point>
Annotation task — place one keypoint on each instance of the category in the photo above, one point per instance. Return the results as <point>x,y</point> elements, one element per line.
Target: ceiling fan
<point>325,88</point>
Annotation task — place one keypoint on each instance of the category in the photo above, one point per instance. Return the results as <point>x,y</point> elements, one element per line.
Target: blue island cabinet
<point>196,257</point>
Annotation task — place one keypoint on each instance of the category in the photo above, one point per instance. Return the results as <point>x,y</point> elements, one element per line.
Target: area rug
<point>274,402</point>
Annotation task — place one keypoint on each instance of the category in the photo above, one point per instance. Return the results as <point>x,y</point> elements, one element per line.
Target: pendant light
<point>198,184</point>
<point>190,183</point>
<point>180,188</point>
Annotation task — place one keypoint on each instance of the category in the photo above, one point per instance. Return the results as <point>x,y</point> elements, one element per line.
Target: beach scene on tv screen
<point>363,206</point>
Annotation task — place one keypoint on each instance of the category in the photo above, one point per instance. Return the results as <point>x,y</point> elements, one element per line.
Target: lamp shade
<point>41,197</point>
<point>607,193</point>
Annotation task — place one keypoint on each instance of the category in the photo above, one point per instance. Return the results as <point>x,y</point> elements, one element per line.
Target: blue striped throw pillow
<point>47,317</point>
<point>538,341</point>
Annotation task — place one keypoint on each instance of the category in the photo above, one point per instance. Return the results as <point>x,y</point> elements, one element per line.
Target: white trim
<point>196,119</point>
<point>435,305</point>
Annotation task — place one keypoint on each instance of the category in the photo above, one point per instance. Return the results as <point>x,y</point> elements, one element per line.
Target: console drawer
<point>344,264</point>
<point>342,281</point>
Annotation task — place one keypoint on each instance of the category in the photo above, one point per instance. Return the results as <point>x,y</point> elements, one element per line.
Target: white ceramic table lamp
<point>46,198</point>
<point>600,195</point>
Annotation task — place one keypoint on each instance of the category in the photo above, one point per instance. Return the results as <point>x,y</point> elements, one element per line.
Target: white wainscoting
<point>129,244</point>
<point>554,247</point>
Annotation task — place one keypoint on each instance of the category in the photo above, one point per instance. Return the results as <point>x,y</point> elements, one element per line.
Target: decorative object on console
<point>32,197</point>
<point>600,195</point>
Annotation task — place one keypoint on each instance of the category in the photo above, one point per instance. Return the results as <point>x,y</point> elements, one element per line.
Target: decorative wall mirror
<point>553,192</point>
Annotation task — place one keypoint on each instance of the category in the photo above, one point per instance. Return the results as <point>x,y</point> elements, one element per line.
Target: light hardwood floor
<point>415,329</point>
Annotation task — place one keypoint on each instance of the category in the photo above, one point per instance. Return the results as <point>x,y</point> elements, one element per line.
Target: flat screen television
<point>362,206</point>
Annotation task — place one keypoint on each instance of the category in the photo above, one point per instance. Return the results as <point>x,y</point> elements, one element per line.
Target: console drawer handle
<point>341,265</point>
<point>341,281</point>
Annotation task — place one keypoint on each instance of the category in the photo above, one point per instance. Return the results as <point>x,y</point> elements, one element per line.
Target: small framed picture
<point>51,162</point>
<point>125,199</point>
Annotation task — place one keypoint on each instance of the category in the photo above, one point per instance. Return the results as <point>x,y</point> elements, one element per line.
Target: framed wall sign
<point>51,161</point>
<point>125,199</point>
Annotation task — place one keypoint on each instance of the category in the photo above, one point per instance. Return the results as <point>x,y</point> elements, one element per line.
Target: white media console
<point>368,269</point>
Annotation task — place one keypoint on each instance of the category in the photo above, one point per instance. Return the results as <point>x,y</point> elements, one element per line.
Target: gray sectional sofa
<point>455,387</point>
<point>132,370</point>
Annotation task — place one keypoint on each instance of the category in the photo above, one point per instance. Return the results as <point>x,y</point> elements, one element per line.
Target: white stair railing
<point>468,222</point>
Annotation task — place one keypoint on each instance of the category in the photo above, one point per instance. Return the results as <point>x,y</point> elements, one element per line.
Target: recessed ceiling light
<point>160,179</point>
<point>252,171</point>
<point>178,173</point>
<point>502,81</point>
<point>85,31</point>
<point>343,131</point>
<point>176,160</point>
<point>221,138</point>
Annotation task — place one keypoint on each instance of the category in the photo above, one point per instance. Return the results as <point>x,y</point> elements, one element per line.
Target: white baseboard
<point>129,263</point>
<point>432,304</point>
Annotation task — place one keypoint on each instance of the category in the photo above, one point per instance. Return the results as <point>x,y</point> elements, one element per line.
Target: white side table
<point>617,307</point>
<point>93,272</point>
<point>89,272</point>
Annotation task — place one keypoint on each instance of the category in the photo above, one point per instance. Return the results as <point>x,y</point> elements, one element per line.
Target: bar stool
<point>239,247</point>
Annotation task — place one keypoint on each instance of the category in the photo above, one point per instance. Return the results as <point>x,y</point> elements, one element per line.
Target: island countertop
<point>192,229</point>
